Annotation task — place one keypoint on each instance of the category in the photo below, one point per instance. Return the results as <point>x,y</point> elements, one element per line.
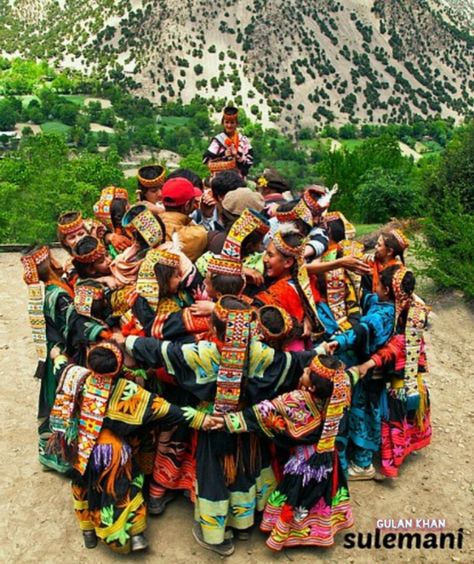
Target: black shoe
<point>157,505</point>
<point>90,539</point>
<point>138,542</point>
<point>243,535</point>
<point>225,548</point>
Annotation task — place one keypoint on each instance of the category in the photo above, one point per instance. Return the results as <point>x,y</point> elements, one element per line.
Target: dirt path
<point>38,523</point>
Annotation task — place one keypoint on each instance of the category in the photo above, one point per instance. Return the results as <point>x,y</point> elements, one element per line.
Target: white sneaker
<point>358,473</point>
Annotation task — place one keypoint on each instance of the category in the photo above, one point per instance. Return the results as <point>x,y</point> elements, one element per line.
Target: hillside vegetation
<point>293,62</point>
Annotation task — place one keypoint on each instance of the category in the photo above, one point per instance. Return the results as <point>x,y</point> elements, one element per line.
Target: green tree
<point>193,161</point>
<point>385,194</point>
<point>8,116</point>
<point>449,206</point>
<point>41,177</point>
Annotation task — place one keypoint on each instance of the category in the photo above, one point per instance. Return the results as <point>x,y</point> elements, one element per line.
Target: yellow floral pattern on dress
<point>128,402</point>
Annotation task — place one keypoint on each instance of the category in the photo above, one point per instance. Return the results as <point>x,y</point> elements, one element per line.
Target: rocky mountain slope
<point>294,62</point>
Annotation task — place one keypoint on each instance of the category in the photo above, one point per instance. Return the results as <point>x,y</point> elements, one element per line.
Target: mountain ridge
<point>286,62</point>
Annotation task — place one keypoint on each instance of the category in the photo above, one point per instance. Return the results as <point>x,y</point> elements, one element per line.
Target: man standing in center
<point>178,196</point>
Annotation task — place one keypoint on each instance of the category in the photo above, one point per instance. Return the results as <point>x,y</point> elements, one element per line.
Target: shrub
<point>449,225</point>
<point>386,194</point>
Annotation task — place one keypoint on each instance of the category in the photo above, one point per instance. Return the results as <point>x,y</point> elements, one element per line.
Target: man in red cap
<point>178,197</point>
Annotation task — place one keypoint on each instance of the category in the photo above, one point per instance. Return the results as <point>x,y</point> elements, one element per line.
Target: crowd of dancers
<point>230,343</point>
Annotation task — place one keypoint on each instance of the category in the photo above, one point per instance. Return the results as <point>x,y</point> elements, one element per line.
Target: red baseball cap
<point>178,191</point>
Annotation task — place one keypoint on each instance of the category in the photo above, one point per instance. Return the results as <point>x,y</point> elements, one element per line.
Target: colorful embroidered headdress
<point>401,238</point>
<point>64,417</point>
<point>339,400</point>
<point>233,355</point>
<point>147,285</point>
<point>98,251</point>
<point>299,211</point>
<point>402,299</point>
<point>223,265</point>
<point>349,228</point>
<point>85,293</point>
<point>140,219</point>
<point>248,222</point>
<point>151,176</point>
<point>318,198</point>
<point>80,406</point>
<point>417,317</point>
<point>70,222</point>
<point>103,207</point>
<point>35,302</point>
<point>230,260</point>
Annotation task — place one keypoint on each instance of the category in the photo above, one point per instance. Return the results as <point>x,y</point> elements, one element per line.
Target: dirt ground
<point>38,523</point>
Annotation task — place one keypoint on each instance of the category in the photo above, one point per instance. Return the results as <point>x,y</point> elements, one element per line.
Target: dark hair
<point>186,209</point>
<point>117,211</point>
<point>84,246</point>
<point>250,242</point>
<point>102,361</point>
<point>68,217</point>
<point>225,182</point>
<point>275,181</point>
<point>163,275</point>
<point>322,386</point>
<point>336,230</point>
<point>293,240</point>
<point>227,284</point>
<point>392,243</point>
<point>408,281</point>
<point>386,279</point>
<point>149,172</point>
<point>272,320</point>
<point>231,303</point>
<point>194,178</point>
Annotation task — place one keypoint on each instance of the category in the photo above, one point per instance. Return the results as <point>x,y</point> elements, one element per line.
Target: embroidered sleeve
<point>235,422</point>
<point>194,418</point>
<point>195,323</point>
<point>391,351</point>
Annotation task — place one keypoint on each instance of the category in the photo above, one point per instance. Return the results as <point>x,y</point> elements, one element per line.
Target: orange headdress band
<point>401,238</point>
<point>152,182</point>
<point>222,312</point>
<point>226,266</point>
<point>115,350</point>
<point>91,256</point>
<point>316,198</point>
<point>285,249</point>
<point>31,262</point>
<point>71,226</point>
<point>167,258</point>
<point>231,114</point>
<point>287,322</point>
<point>317,367</point>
